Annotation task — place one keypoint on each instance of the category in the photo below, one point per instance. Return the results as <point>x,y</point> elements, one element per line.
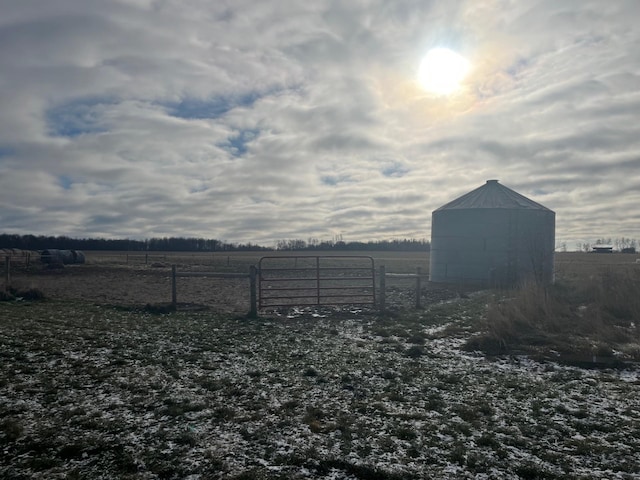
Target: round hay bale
<point>62,257</point>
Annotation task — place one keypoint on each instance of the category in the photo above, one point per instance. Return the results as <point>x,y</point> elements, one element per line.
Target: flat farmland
<point>134,279</point>
<point>400,262</point>
<point>137,279</point>
<point>90,389</point>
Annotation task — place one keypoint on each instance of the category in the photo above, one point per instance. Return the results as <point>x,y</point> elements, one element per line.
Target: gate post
<point>253,312</point>
<point>7,272</point>
<point>382,287</point>
<point>418,287</point>
<point>317,280</point>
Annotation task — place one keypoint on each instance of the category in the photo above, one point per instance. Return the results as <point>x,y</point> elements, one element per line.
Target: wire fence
<point>227,286</point>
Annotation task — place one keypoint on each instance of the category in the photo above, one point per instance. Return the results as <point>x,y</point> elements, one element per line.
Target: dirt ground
<point>137,280</point>
<point>139,285</point>
<point>132,286</point>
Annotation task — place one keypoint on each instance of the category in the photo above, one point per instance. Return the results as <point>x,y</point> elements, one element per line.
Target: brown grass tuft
<point>597,313</point>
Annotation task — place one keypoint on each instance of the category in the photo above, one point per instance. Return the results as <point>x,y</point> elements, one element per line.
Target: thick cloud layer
<point>253,121</point>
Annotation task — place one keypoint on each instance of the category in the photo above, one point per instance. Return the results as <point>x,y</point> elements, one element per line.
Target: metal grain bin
<point>492,236</point>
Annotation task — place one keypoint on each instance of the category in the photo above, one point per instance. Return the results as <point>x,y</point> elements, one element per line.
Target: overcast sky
<point>254,121</point>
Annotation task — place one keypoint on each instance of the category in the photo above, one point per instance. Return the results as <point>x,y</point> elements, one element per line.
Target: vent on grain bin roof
<point>492,236</point>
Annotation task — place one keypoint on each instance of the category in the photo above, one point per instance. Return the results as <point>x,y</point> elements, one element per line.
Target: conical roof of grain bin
<point>492,236</point>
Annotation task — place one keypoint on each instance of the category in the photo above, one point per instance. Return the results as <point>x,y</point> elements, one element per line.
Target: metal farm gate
<point>288,281</point>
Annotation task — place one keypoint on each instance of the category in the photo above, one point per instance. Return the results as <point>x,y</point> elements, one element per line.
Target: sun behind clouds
<point>442,70</point>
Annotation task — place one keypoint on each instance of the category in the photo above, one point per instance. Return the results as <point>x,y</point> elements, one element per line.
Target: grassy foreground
<point>591,318</point>
<point>94,392</point>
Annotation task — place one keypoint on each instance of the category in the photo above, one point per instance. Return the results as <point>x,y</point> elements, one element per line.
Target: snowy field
<point>89,392</point>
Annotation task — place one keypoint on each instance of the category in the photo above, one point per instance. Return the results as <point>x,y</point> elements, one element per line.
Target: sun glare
<point>442,70</point>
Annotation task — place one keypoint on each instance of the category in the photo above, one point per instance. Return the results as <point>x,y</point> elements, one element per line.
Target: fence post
<point>7,272</point>
<point>253,312</point>
<point>174,296</point>
<point>317,279</point>
<point>418,287</point>
<point>382,287</point>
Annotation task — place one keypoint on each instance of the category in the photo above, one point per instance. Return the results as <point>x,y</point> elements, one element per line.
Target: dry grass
<point>595,315</point>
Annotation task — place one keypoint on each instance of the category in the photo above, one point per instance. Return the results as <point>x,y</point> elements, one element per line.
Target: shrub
<point>570,317</point>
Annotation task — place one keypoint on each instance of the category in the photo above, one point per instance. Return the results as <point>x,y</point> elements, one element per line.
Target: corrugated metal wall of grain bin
<point>492,236</point>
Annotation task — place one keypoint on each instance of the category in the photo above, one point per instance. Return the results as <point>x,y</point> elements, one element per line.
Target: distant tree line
<point>172,244</point>
<point>623,245</point>
<point>405,245</point>
<point>192,244</point>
